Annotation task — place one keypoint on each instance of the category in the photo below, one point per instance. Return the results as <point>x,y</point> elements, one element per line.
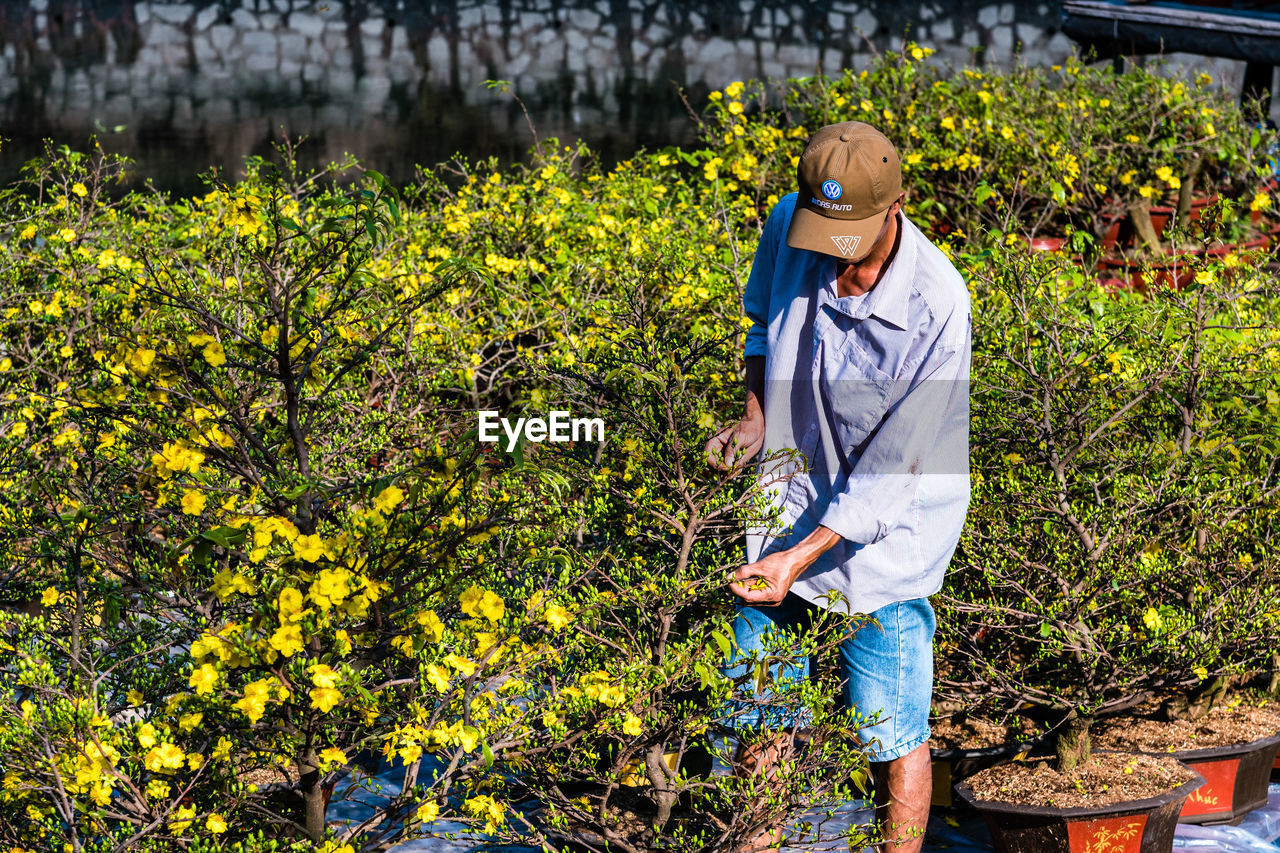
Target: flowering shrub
<point>1024,151</point>
<point>261,548</point>
<point>1124,452</point>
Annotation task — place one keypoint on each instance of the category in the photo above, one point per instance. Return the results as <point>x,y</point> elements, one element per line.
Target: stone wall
<point>182,86</point>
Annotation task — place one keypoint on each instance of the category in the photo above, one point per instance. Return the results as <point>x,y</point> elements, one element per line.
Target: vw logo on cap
<point>831,189</point>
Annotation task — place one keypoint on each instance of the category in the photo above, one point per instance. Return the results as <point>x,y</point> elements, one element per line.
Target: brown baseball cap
<point>849,176</point>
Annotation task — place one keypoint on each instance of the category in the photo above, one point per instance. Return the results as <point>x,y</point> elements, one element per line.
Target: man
<point>858,358</point>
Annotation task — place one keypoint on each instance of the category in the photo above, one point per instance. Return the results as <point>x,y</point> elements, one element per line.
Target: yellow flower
<point>204,679</point>
<point>323,675</point>
<point>135,698</point>
<point>254,703</point>
<point>215,354</point>
<point>289,601</point>
<point>193,502</point>
<point>431,625</point>
<point>482,602</point>
<point>227,583</point>
<point>182,818</point>
<point>332,755</point>
<point>158,790</point>
<point>438,677</point>
<point>164,758</point>
<point>28,232</point>
<point>324,698</point>
<point>287,640</point>
<point>631,726</point>
<point>146,735</point>
<point>948,123</point>
<point>463,665</point>
<point>558,617</point>
<point>427,812</point>
<point>67,235</point>
<point>330,587</point>
<point>308,548</point>
<point>80,189</point>
<point>1261,201</point>
<point>388,499</point>
<point>49,597</point>
<point>1146,191</point>
<point>215,823</point>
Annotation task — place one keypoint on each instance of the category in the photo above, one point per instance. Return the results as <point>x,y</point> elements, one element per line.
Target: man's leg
<point>761,756</point>
<point>904,788</point>
<point>889,673</point>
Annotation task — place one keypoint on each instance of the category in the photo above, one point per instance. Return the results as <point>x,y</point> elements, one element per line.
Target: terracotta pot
<point>952,765</point>
<point>1250,245</point>
<point>1236,780</point>
<point>1047,244</point>
<point>1169,271</point>
<point>1136,826</point>
<point>1198,205</point>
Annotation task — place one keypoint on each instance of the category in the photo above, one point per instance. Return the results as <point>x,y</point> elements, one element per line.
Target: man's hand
<point>736,445</point>
<point>767,581</point>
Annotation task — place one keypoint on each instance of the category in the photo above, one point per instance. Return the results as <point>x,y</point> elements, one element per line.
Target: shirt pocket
<point>856,394</point>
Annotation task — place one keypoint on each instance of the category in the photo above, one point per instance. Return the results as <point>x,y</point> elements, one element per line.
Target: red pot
<point>1137,826</point>
<point>1236,780</point>
<point>1198,205</point>
<point>1250,245</point>
<point>1169,271</point>
<point>1047,244</point>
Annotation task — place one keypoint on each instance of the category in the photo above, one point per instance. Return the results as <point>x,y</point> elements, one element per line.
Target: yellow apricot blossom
<point>324,698</point>
<point>388,499</point>
<point>203,679</point>
<point>287,640</point>
<point>164,758</point>
<point>309,548</point>
<point>193,502</point>
<point>438,677</point>
<point>330,587</point>
<point>431,625</point>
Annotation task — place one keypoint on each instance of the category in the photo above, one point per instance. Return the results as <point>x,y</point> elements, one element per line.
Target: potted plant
<point>1102,561</point>
<point>1232,745</point>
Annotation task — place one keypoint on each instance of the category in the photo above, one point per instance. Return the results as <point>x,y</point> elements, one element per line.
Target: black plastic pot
<point>952,765</point>
<point>1136,826</point>
<point>1236,780</point>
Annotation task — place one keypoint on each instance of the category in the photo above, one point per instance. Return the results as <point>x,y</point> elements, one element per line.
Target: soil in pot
<point>1221,726</point>
<point>1233,748</point>
<point>1114,802</point>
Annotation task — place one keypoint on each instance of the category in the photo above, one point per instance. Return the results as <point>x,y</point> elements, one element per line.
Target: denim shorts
<point>886,670</point>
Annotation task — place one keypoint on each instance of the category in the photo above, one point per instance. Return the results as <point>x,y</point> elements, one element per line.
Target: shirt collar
<point>888,299</point>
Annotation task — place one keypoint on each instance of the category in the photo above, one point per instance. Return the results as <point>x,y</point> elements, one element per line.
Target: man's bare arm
<point>780,570</point>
